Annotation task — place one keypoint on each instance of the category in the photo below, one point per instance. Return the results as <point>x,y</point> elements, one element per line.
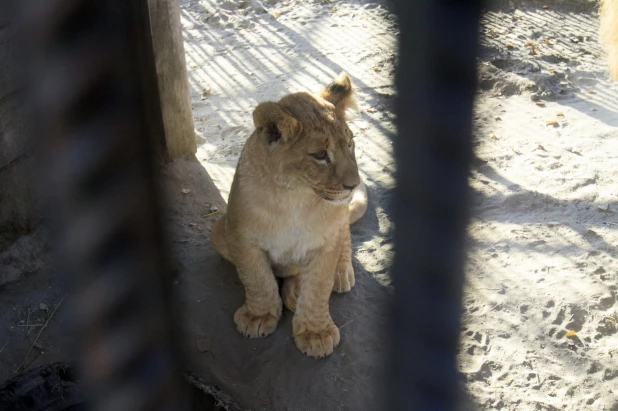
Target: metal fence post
<point>436,82</point>
<point>89,62</point>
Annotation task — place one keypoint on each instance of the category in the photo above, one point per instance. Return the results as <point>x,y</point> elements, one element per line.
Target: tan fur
<point>290,210</point>
<point>608,34</point>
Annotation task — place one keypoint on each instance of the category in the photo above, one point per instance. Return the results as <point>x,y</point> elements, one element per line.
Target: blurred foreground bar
<point>435,82</point>
<point>94,98</point>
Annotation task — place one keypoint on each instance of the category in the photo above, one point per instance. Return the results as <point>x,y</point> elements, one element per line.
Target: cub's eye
<point>321,155</point>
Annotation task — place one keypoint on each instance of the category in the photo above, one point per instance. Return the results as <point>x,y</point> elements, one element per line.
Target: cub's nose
<point>352,187</point>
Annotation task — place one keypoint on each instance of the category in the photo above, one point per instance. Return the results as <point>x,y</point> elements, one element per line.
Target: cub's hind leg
<point>344,276</point>
<point>290,292</point>
<point>291,284</point>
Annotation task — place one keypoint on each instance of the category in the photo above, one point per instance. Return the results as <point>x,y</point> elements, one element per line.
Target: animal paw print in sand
<point>565,319</point>
<point>476,343</point>
<point>608,325</point>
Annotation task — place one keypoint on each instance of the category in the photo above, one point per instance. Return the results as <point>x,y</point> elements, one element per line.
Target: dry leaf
<point>509,45</point>
<point>552,122</point>
<point>571,333</point>
<point>546,41</point>
<point>185,191</point>
<point>572,150</point>
<point>602,277</point>
<point>498,118</point>
<point>494,137</point>
<point>516,151</point>
<point>206,92</point>
<point>561,114</point>
<point>530,43</point>
<point>276,14</point>
<point>377,69</point>
<point>545,7</point>
<point>542,148</point>
<point>370,110</point>
<point>591,91</point>
<point>540,104</point>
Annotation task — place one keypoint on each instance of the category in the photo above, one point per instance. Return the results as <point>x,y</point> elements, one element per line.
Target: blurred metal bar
<point>436,81</point>
<point>90,65</point>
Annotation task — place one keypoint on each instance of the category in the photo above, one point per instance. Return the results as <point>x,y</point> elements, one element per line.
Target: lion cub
<point>295,192</point>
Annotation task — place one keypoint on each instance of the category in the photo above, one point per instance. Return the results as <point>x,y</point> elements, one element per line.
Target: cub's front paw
<point>254,325</point>
<point>344,277</point>
<point>318,343</point>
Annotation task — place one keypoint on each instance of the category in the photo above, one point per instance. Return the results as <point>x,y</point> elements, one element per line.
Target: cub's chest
<point>290,243</point>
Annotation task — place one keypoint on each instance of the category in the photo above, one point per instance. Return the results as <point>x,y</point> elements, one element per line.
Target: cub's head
<point>308,142</point>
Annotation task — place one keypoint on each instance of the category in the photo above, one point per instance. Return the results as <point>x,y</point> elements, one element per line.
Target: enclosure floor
<point>540,318</point>
<point>269,373</point>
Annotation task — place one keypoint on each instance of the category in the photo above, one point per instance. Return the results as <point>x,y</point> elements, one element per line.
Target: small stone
<point>213,209</point>
<point>44,307</point>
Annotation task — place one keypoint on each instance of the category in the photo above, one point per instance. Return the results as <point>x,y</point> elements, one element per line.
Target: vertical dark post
<point>436,82</point>
<point>90,63</point>
<point>172,77</point>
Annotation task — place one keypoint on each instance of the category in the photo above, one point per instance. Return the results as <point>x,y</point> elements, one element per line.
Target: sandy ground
<point>540,314</point>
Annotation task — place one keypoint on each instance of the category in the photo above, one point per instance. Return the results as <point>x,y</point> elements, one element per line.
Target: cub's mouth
<point>335,196</point>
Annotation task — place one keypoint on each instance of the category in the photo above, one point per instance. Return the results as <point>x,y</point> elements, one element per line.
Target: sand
<point>539,328</point>
<point>540,314</point>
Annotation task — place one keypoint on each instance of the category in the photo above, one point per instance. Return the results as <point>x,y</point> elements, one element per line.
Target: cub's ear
<point>341,94</point>
<point>275,123</point>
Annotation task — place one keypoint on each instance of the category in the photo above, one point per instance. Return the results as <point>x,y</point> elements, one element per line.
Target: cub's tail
<point>358,203</point>
<point>608,34</point>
